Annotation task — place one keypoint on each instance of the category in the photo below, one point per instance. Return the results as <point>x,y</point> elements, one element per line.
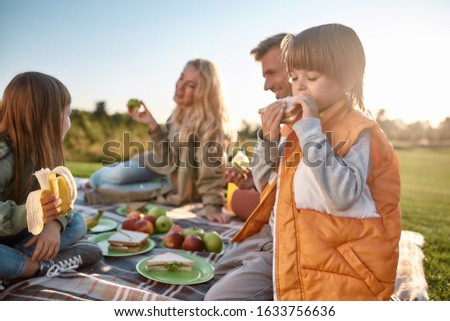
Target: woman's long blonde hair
<point>207,118</point>
<point>31,118</point>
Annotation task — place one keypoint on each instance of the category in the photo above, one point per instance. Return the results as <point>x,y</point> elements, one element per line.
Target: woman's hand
<point>144,116</point>
<point>243,180</point>
<point>51,206</point>
<point>271,120</point>
<point>221,217</point>
<point>47,243</point>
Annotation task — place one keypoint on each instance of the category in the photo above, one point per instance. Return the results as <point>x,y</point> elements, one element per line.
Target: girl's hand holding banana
<point>55,198</point>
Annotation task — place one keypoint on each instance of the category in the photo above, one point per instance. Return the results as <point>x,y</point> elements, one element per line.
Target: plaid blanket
<point>116,278</point>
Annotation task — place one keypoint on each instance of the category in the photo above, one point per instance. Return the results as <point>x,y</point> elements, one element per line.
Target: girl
<point>34,117</point>
<point>333,203</point>
<point>198,122</point>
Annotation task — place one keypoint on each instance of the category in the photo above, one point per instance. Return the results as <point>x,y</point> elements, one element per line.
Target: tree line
<point>91,131</point>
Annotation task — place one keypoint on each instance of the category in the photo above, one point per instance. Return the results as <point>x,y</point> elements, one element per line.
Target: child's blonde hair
<point>208,116</point>
<point>31,120</point>
<point>333,50</point>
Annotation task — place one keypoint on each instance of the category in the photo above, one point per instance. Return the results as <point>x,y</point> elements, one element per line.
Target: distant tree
<point>100,110</point>
<point>248,130</point>
<point>417,132</point>
<point>392,128</point>
<point>444,130</point>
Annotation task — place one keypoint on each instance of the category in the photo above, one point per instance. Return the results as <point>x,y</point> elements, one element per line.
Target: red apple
<point>144,226</point>
<point>177,228</point>
<point>135,214</point>
<point>150,218</point>
<point>173,240</point>
<point>129,224</point>
<point>193,243</point>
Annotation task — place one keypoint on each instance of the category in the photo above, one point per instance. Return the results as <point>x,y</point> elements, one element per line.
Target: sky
<point>113,50</point>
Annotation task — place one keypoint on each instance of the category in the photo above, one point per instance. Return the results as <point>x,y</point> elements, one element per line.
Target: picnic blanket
<point>116,278</point>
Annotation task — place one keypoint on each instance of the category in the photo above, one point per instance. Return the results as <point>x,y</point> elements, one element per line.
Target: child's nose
<point>299,85</point>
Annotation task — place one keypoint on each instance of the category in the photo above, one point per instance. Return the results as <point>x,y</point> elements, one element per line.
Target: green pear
<point>194,230</point>
<point>157,211</point>
<point>213,242</point>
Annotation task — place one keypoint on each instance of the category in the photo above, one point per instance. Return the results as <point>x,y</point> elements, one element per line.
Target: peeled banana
<point>57,181</point>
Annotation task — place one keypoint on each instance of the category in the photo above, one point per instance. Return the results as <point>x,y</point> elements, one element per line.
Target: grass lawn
<point>425,202</point>
<point>80,169</point>
<point>425,175</point>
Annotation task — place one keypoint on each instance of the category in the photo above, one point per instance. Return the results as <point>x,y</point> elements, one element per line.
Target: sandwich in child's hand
<point>169,262</point>
<point>127,241</point>
<point>291,112</point>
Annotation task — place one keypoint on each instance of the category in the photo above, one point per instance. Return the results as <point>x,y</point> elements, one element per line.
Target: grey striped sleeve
<point>340,179</point>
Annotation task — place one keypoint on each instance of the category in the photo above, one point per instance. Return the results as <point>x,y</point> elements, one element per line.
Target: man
<point>268,53</point>
<point>253,256</point>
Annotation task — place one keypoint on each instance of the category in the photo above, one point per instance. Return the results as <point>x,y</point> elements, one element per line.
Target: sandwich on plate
<point>169,262</point>
<point>127,241</point>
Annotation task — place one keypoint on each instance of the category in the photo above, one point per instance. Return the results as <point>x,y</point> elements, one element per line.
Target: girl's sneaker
<point>80,254</point>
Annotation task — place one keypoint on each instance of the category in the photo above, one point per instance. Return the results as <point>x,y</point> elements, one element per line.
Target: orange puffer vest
<point>318,256</point>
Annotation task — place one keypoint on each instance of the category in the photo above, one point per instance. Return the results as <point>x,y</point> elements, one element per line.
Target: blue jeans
<point>13,259</point>
<point>124,173</point>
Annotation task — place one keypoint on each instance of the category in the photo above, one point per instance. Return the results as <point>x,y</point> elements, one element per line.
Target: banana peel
<point>93,221</point>
<point>57,181</point>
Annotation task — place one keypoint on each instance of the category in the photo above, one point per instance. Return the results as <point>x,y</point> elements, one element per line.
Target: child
<point>333,204</point>
<point>34,117</point>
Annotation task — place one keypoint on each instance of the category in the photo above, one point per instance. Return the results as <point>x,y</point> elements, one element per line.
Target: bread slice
<point>169,262</point>
<point>127,241</point>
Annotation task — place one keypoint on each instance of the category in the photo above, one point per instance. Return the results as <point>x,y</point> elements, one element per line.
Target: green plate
<point>104,225</point>
<point>201,272</point>
<point>123,209</point>
<point>102,241</point>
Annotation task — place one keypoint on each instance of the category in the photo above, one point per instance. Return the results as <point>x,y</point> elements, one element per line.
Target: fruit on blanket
<point>194,230</point>
<point>143,226</point>
<point>157,211</point>
<point>177,228</point>
<point>173,240</point>
<point>135,214</point>
<point>163,224</point>
<point>93,221</point>
<point>151,219</point>
<point>133,104</point>
<point>193,243</point>
<point>57,181</point>
<point>213,242</point>
<point>129,224</point>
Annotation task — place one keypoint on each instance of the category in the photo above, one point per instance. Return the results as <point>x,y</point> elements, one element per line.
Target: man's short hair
<point>264,46</point>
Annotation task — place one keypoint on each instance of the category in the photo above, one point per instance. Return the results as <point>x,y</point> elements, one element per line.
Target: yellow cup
<point>231,188</point>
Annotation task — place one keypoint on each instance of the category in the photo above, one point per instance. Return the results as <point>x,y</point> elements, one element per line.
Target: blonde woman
<point>189,150</point>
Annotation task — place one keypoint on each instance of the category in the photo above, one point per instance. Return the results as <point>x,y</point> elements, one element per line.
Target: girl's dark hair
<point>31,116</point>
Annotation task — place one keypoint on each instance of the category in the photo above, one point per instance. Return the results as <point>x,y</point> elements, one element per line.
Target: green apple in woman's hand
<point>133,104</point>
